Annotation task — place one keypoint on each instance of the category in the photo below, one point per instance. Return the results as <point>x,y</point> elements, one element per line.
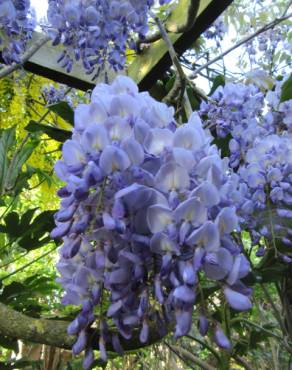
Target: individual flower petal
<point>206,236</point>
<point>117,344</point>
<point>191,210</point>
<point>240,269</point>
<point>94,138</point>
<point>118,128</point>
<point>144,333</point>
<point>158,217</point>
<point>227,220</point>
<point>80,344</point>
<point>157,140</point>
<point>237,301</point>
<point>134,151</point>
<point>172,177</point>
<point>187,272</point>
<point>124,84</point>
<point>73,154</point>
<point>184,294</point>
<point>220,338</point>
<point>138,196</point>
<point>88,359</point>
<point>203,325</point>
<point>218,265</point>
<point>207,193</point>
<point>113,159</point>
<point>114,308</point>
<point>61,230</point>
<point>184,158</point>
<point>188,137</point>
<point>161,244</point>
<point>183,322</point>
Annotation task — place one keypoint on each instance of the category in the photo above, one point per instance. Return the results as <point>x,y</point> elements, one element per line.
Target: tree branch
<point>180,78</point>
<point>265,28</point>
<point>174,27</point>
<point>14,324</point>
<point>194,359</point>
<point>5,71</point>
<point>241,361</point>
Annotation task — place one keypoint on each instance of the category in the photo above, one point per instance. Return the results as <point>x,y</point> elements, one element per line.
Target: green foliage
<point>219,80</point>
<point>23,296</point>
<point>12,159</point>
<point>29,233</point>
<point>20,364</point>
<point>63,110</point>
<point>287,90</point>
<point>54,133</point>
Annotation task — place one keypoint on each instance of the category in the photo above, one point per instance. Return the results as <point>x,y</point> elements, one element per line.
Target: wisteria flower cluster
<point>52,95</point>
<point>235,110</point>
<point>97,31</point>
<point>148,207</point>
<point>267,44</point>
<point>261,152</point>
<point>17,22</point>
<point>267,176</point>
<point>216,31</point>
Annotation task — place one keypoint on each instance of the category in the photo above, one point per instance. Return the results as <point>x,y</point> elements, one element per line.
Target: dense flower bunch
<point>97,31</point>
<point>147,206</point>
<point>217,31</point>
<point>265,46</point>
<point>261,150</point>
<point>235,110</point>
<point>53,95</point>
<point>280,113</point>
<point>17,23</point>
<point>266,173</point>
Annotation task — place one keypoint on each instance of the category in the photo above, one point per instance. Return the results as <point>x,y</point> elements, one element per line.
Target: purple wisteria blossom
<point>216,31</point>
<point>145,209</point>
<point>17,22</point>
<point>97,32</point>
<point>258,127</point>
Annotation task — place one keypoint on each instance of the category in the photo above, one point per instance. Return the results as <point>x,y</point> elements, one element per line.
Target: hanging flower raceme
<point>266,177</point>
<point>97,31</point>
<point>261,151</point>
<point>146,208</point>
<point>235,110</point>
<point>216,31</point>
<point>17,22</point>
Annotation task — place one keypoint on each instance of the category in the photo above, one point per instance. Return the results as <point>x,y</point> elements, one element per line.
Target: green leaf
<point>63,110</point>
<point>11,223</point>
<point>7,141</point>
<point>26,219</point>
<point>18,161</point>
<point>12,160</point>
<point>194,100</point>
<point>13,291</point>
<point>273,273</point>
<point>36,235</point>
<point>44,176</point>
<point>286,90</point>
<point>218,81</point>
<point>53,132</point>
<point>258,335</point>
<point>30,233</point>
<point>223,144</point>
